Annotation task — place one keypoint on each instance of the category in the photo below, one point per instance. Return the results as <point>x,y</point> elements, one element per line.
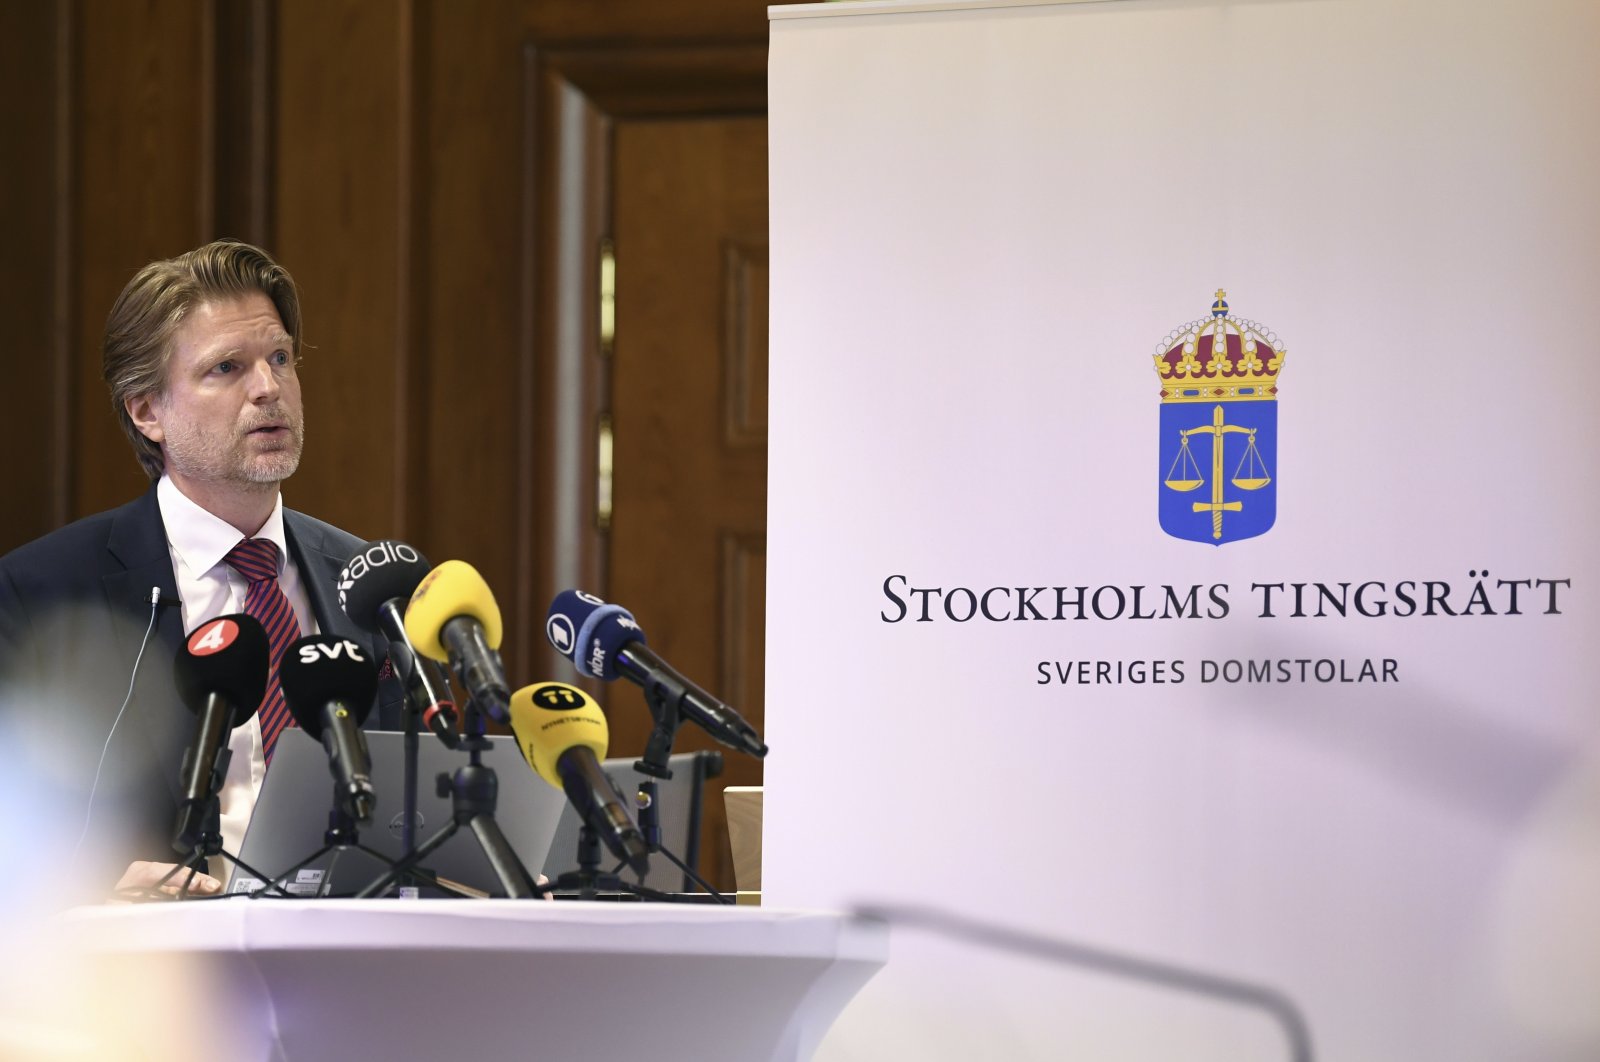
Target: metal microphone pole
<point>392,623</point>
<point>408,822</point>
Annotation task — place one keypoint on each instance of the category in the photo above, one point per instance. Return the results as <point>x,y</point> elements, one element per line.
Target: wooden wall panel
<point>339,150</point>
<point>470,292</point>
<point>742,626</point>
<point>29,70</point>
<point>618,22</point>
<point>744,343</point>
<point>243,118</point>
<point>687,541</point>
<point>135,196</point>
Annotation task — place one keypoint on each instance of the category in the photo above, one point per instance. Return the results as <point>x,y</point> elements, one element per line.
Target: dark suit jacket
<point>74,606</point>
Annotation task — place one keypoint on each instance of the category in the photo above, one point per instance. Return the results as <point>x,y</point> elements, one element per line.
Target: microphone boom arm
<point>670,694</point>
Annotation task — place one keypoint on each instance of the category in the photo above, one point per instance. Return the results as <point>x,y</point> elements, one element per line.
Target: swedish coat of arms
<point>1219,427</point>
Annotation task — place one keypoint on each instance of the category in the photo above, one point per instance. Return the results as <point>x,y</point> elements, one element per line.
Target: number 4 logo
<point>213,637</point>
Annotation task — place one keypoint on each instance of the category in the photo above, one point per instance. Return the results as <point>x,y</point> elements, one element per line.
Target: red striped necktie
<point>257,560</point>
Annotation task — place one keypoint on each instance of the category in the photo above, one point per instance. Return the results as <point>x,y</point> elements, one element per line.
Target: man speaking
<point>201,354</point>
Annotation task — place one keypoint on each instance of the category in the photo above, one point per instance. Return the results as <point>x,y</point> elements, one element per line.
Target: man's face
<point>230,413</point>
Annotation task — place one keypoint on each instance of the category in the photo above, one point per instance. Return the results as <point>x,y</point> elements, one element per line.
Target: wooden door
<point>687,542</point>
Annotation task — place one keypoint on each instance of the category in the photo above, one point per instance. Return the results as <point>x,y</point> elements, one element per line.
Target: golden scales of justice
<point>1242,377</point>
<point>1251,473</point>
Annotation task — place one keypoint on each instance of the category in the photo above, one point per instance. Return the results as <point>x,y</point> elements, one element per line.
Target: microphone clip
<point>158,597</point>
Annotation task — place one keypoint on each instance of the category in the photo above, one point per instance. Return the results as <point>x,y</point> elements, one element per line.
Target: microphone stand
<point>408,822</point>
<point>473,791</point>
<point>209,842</point>
<point>341,836</point>
<point>588,881</point>
<point>653,765</point>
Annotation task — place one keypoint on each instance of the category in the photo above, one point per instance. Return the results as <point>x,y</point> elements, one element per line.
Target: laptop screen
<point>292,816</point>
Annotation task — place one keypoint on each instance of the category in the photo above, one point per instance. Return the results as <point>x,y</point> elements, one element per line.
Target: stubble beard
<point>195,455</point>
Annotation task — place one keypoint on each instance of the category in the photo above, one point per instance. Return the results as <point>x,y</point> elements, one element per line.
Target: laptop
<point>291,817</point>
<point>680,812</point>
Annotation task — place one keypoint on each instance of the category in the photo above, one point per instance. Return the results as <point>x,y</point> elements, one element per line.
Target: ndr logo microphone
<point>559,628</point>
<point>598,659</point>
<point>1219,428</point>
<point>560,632</point>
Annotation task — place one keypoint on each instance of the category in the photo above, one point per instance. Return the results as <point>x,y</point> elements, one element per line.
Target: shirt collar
<point>202,539</point>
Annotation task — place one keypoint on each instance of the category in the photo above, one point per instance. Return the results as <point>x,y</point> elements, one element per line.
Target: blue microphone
<point>605,642</point>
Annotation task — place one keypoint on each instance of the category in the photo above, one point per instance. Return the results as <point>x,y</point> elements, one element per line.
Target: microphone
<point>330,686</point>
<point>453,619</point>
<point>605,641</point>
<point>564,735</point>
<point>374,587</point>
<point>221,675</point>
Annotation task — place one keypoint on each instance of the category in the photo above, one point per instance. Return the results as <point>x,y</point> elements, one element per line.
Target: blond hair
<point>139,330</point>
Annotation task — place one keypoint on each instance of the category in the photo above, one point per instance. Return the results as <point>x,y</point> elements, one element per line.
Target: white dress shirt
<point>209,587</point>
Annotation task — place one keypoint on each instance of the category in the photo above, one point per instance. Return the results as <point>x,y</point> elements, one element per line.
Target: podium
<point>306,981</point>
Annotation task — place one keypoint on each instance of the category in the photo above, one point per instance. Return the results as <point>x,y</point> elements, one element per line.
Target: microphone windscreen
<point>452,589</point>
<point>227,655</point>
<point>590,632</point>
<point>319,669</point>
<point>380,571</point>
<point>548,718</point>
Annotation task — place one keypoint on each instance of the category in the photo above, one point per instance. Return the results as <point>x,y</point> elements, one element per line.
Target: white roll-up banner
<point>1182,547</point>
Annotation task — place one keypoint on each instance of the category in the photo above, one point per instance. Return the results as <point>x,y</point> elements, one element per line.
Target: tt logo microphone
<point>557,698</point>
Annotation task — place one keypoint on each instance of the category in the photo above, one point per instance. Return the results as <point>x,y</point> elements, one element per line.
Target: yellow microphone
<point>452,618</point>
<point>563,734</point>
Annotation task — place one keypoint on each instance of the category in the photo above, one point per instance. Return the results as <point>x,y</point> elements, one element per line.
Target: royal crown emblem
<point>1219,427</point>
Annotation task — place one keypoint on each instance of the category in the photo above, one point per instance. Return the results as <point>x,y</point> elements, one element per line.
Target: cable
<point>1068,953</point>
<point>696,878</point>
<point>88,812</point>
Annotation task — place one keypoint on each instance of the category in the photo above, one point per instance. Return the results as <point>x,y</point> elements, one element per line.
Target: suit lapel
<point>319,574</point>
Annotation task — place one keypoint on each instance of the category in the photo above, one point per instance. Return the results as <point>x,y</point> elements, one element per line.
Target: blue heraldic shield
<point>1218,451</point>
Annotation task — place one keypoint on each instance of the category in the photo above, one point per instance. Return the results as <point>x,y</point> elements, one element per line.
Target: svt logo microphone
<point>311,652</point>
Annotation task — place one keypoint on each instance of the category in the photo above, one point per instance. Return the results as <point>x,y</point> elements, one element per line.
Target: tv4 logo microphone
<point>213,637</point>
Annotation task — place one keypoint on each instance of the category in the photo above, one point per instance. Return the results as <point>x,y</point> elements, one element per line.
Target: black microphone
<point>604,641</point>
<point>157,596</point>
<point>374,588</point>
<point>564,736</point>
<point>453,618</point>
<point>221,674</point>
<point>330,685</point>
